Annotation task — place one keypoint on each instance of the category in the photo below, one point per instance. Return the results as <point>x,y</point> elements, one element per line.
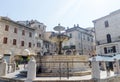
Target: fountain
<point>59,38</point>
<point>61,65</point>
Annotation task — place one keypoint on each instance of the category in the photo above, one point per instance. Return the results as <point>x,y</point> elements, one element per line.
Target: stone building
<point>107,31</point>
<point>81,40</point>
<point>17,38</point>
<point>40,30</point>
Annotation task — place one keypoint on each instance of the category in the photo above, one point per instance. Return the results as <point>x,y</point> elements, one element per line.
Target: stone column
<point>104,65</point>
<point>95,69</point>
<point>31,71</point>
<point>3,68</point>
<point>116,67</point>
<point>14,67</point>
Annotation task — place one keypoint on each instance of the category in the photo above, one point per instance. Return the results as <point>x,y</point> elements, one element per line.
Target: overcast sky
<point>52,12</point>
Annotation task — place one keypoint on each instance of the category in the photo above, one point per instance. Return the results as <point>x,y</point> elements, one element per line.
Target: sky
<point>53,12</point>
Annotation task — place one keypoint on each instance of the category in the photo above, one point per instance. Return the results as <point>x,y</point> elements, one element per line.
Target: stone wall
<point>74,62</point>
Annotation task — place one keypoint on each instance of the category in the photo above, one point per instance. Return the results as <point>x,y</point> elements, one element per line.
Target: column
<point>116,67</point>
<point>3,68</point>
<point>103,65</point>
<point>95,69</point>
<point>14,66</point>
<point>31,71</point>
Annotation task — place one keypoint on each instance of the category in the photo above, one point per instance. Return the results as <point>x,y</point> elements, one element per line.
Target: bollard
<point>3,68</point>
<point>116,67</point>
<point>31,70</point>
<point>95,69</point>
<point>14,66</point>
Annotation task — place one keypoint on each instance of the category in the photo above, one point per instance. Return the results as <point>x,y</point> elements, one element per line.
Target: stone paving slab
<point>74,78</point>
<point>86,78</point>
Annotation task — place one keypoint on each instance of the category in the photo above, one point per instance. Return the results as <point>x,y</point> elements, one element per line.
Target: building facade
<point>19,39</point>
<point>107,31</point>
<point>81,40</point>
<point>40,30</point>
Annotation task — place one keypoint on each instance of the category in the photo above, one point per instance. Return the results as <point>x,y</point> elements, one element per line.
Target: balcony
<point>114,39</point>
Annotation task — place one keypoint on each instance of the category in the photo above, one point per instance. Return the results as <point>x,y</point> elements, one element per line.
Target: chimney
<point>74,25</point>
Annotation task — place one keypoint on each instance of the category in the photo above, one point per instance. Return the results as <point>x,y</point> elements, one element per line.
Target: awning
<point>116,57</point>
<point>101,58</point>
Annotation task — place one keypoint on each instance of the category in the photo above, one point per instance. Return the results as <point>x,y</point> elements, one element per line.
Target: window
<point>39,26</point>
<point>46,45</point>
<point>110,49</point>
<point>14,41</point>
<point>15,30</point>
<point>83,37</point>
<point>29,45</point>
<point>38,45</point>
<point>106,24</point>
<point>91,39</point>
<point>39,35</point>
<point>22,43</point>
<point>105,50</point>
<point>30,34</point>
<point>79,36</point>
<point>70,35</point>
<point>5,40</point>
<point>6,27</point>
<point>108,38</point>
<point>114,49</point>
<point>88,38</point>
<point>79,45</point>
<point>23,32</point>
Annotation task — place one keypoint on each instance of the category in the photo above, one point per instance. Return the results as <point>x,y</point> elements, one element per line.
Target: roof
<point>112,13</point>
<point>77,28</point>
<point>9,20</point>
